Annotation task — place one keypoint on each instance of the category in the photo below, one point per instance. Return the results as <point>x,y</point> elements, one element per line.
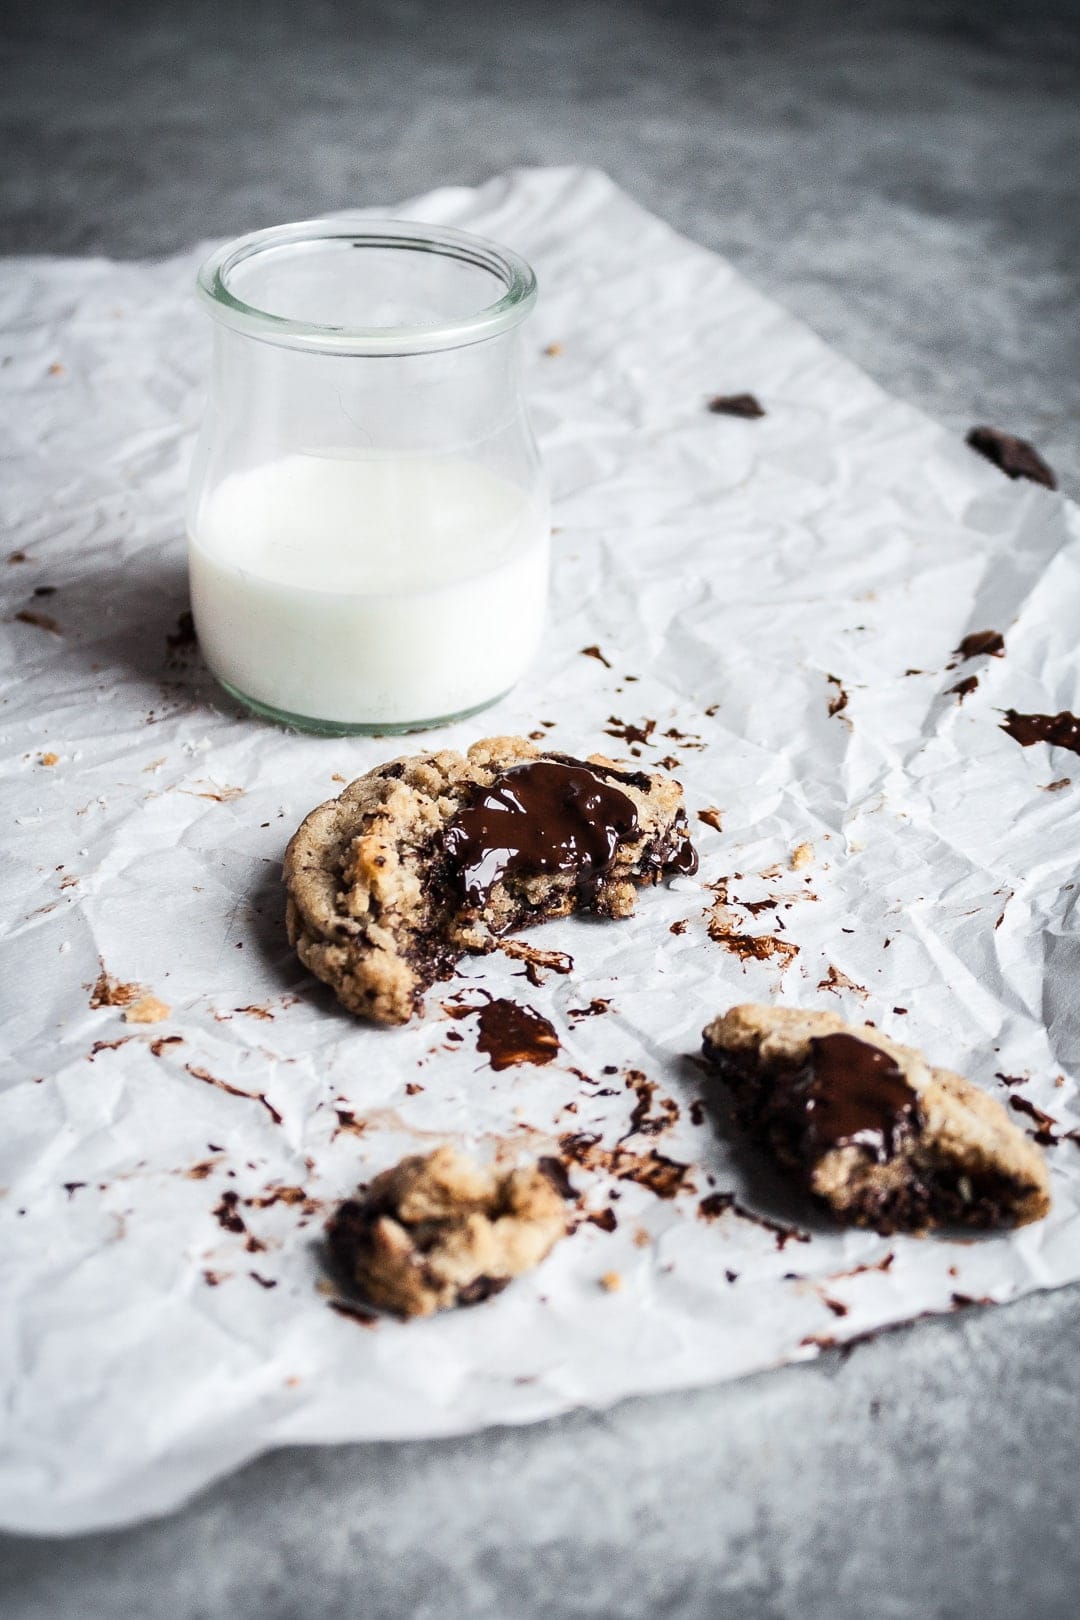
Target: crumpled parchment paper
<point>778,601</point>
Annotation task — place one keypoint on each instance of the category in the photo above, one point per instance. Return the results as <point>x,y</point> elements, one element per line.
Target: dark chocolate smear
<point>744,405</point>
<point>852,1094</point>
<point>1016,457</point>
<point>511,1034</point>
<point>982,644</point>
<point>541,817</point>
<point>1059,730</point>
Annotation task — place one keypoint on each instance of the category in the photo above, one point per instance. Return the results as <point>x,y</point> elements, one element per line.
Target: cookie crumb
<point>801,856</point>
<point>611,1282</point>
<point>48,760</point>
<point>552,350</point>
<point>147,1010</point>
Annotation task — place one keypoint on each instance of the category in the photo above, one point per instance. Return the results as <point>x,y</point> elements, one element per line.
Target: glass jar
<point>368,523</point>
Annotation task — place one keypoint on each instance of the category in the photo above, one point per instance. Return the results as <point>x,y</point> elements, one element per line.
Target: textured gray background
<point>905,175</point>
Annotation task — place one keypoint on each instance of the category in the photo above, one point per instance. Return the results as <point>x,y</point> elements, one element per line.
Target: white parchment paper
<point>747,575</point>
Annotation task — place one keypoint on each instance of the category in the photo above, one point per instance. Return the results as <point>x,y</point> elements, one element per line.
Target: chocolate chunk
<point>1016,457</point>
<point>538,818</point>
<point>744,405</point>
<point>1059,730</point>
<point>851,1093</point>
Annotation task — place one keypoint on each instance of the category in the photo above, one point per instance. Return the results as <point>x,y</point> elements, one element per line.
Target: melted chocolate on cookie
<point>851,1094</point>
<point>541,817</point>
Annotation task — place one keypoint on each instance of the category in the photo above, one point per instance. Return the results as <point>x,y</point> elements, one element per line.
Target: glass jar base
<point>342,728</point>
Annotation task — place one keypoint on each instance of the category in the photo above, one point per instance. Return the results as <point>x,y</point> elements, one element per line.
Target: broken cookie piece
<point>870,1129</point>
<point>440,1231</point>
<point>436,855</point>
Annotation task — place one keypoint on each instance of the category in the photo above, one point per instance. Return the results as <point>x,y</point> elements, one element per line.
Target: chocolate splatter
<point>723,930</point>
<point>263,1282</point>
<point>603,1218</point>
<point>510,1034</point>
<point>594,652</point>
<point>227,1215</point>
<point>711,818</point>
<point>234,1091</point>
<point>1016,457</point>
<point>1045,1122</point>
<point>839,700</point>
<point>660,1175</point>
<point>597,1006</point>
<point>107,1046</point>
<point>742,405</point>
<point>41,621</point>
<point>628,731</point>
<point>158,1046</point>
<point>537,962</point>
<point>347,1121</point>
<point>718,1203</point>
<point>680,926</point>
<point>109,992</point>
<point>643,1121</point>
<point>282,1195</point>
<point>981,644</point>
<point>836,980</point>
<point>1059,730</point>
<point>964,688</point>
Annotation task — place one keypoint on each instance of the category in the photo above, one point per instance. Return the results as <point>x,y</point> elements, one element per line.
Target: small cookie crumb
<point>611,1282</point>
<point>49,760</point>
<point>147,1010</point>
<point>801,856</point>
<point>552,350</point>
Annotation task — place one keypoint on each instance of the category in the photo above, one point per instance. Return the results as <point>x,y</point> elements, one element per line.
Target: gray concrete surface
<point>904,176</point>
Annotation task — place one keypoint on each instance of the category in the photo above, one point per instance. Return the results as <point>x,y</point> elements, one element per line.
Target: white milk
<point>379,591</point>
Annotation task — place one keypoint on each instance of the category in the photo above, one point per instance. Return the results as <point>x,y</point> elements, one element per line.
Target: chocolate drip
<point>541,817</point>
<point>1060,730</point>
<point>852,1094</point>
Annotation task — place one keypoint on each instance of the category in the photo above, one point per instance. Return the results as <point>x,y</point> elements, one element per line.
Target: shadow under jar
<point>368,523</point>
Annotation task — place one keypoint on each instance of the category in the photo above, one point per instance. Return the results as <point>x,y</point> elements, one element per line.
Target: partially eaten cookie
<point>868,1128</point>
<point>436,855</point>
<point>439,1230</point>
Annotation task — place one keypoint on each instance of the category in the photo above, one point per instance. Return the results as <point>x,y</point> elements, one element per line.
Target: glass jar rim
<point>402,234</point>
